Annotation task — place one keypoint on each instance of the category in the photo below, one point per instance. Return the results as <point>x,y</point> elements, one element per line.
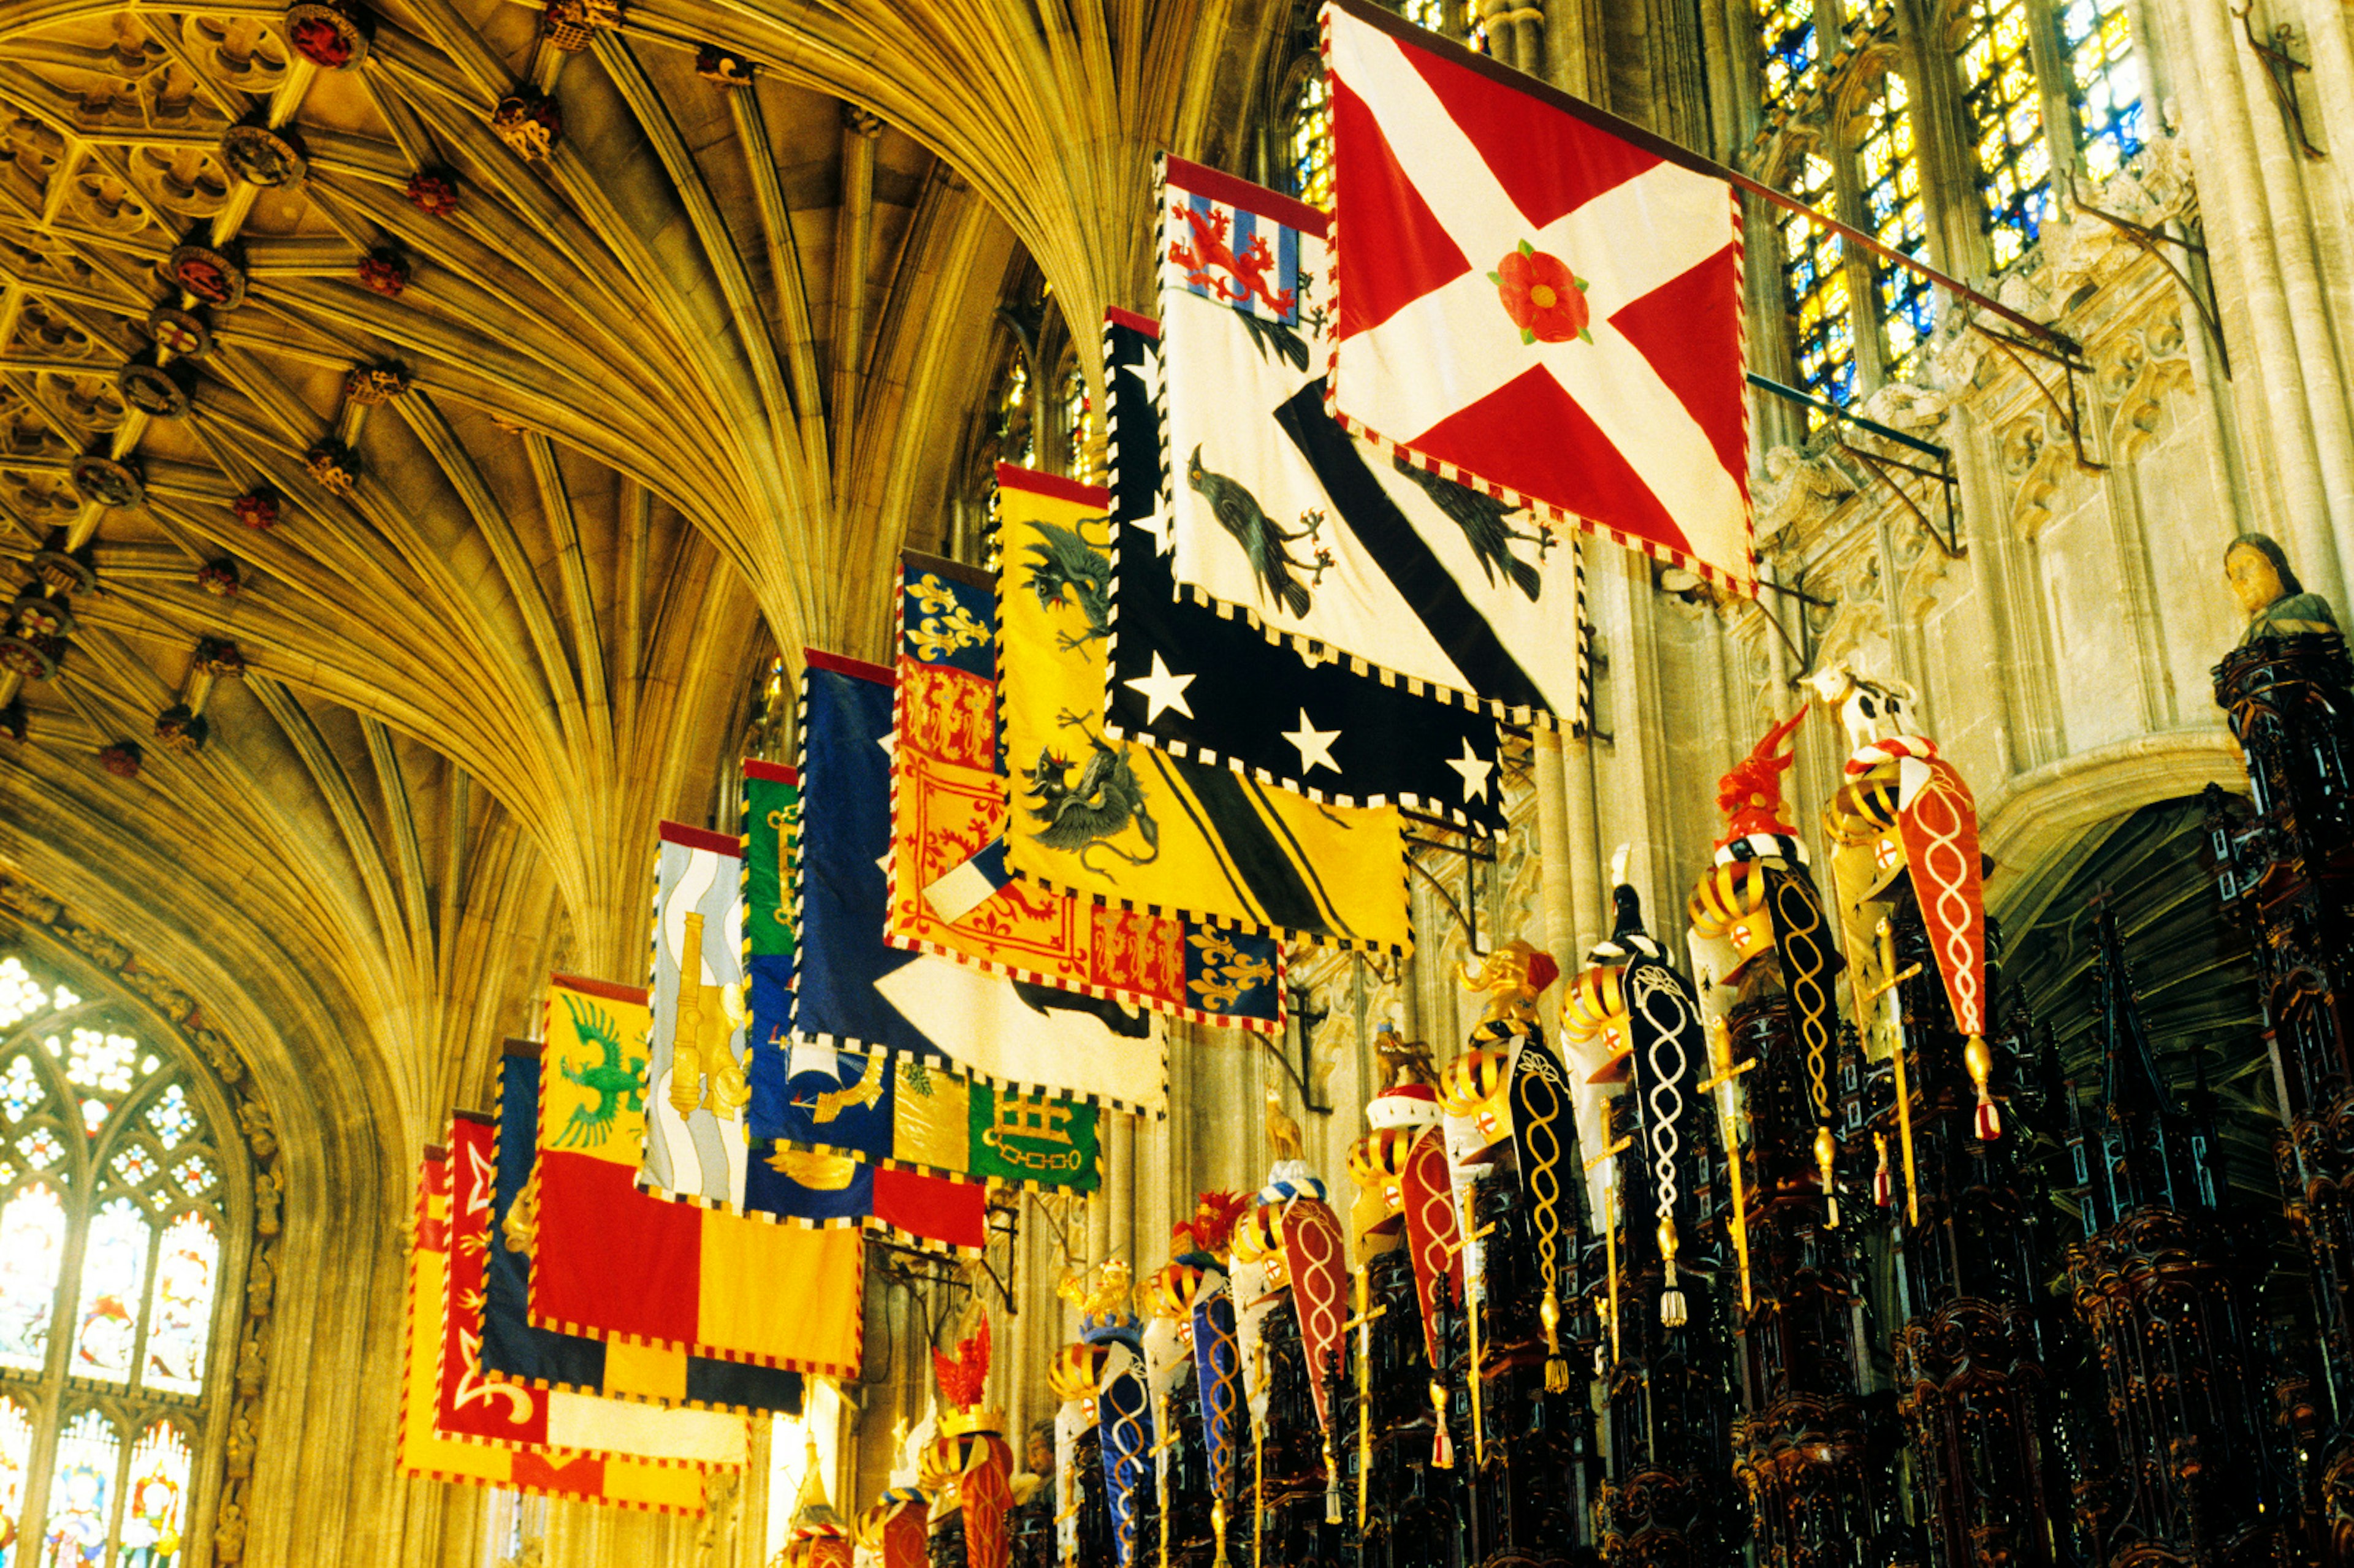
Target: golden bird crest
<point>1283,1136</point>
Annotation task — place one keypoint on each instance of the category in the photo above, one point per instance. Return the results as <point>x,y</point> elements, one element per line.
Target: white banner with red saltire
<point>1535,299</point>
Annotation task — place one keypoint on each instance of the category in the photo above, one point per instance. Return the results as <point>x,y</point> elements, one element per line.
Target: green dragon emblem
<point>1065,562</point>
<point>1087,814</point>
<point>610,1080</point>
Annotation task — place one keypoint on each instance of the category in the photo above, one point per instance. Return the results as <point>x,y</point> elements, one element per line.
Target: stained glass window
<point>179,1320</point>
<point>114,1276</point>
<point>40,1149</point>
<point>171,1118</point>
<point>1310,134</point>
<point>32,1253</point>
<point>82,1492</point>
<point>16,1464</point>
<point>1017,441</point>
<point>20,994</point>
<point>1889,165</point>
<point>1079,422</point>
<point>101,1061</point>
<point>2105,80</point>
<point>1787,40</point>
<point>2006,120</point>
<point>107,1160</point>
<point>1814,269</point>
<point>20,1089</point>
<point>156,1504</point>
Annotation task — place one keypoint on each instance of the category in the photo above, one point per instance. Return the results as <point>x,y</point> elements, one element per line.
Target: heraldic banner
<point>618,1264</point>
<point>695,1056</point>
<point>1198,680</point>
<point>855,991</point>
<point>1536,297</point>
<point>1125,824</point>
<point>947,826</point>
<point>425,1449</point>
<point>514,1352</point>
<point>920,1113</point>
<point>1279,515</point>
<point>515,1415</point>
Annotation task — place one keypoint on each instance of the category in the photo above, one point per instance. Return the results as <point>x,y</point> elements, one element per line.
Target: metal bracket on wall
<point>2148,240</point>
<point>1802,651</point>
<point>1300,1021</point>
<point>942,1282</point>
<point>1885,466</point>
<point>1474,851</point>
<point>2281,70</point>
<point>2070,362</point>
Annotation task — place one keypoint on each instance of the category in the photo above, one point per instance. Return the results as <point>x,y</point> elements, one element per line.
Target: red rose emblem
<point>1542,296</point>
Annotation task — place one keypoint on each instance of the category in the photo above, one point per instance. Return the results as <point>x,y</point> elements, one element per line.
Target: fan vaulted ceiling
<point>455,490</point>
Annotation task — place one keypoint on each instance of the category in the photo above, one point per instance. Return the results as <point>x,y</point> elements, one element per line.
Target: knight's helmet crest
<point>1106,1299</point>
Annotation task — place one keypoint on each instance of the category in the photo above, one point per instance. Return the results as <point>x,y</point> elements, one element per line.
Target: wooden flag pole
<point>2061,346</point>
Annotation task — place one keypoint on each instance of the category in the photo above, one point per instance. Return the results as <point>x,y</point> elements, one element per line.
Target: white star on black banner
<point>1194,683</point>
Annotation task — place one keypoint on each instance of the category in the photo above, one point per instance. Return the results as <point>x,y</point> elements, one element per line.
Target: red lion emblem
<point>1210,254</point>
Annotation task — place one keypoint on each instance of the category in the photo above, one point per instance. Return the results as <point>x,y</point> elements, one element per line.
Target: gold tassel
<point>1557,1368</point>
<point>1979,1060</point>
<point>1826,1161</point>
<point>1442,1448</point>
<point>1672,1300</point>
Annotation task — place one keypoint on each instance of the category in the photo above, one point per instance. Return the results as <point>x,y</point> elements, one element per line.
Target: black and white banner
<point>1192,682</point>
<point>1280,518</point>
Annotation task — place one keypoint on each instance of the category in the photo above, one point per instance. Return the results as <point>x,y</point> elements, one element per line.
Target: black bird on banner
<point>1195,683</point>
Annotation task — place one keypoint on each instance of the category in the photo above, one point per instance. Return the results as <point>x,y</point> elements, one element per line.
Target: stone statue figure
<point>2275,603</point>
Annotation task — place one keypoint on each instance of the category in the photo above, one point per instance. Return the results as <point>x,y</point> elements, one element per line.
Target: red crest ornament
<point>962,1377</point>
<point>433,192</point>
<point>1213,1225</point>
<point>257,508</point>
<point>121,759</point>
<point>328,36</point>
<point>1750,793</point>
<point>215,277</point>
<point>385,270</point>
